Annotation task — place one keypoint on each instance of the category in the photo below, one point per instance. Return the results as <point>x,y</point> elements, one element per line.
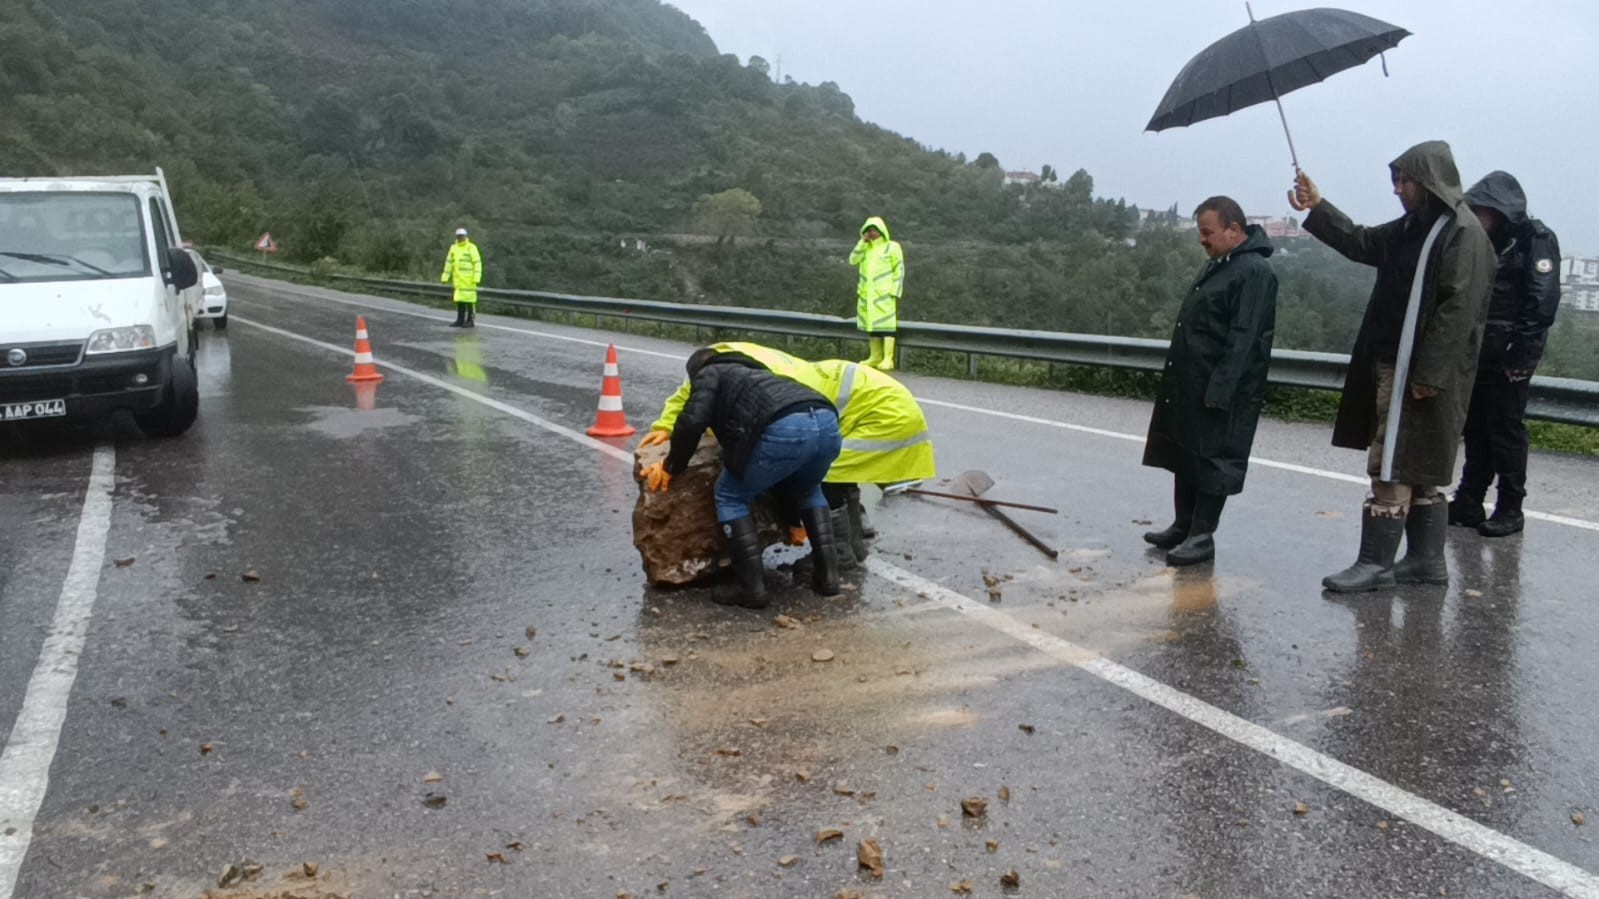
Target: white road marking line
<point>1253,460</point>
<point>1536,864</point>
<point>1458,829</point>
<point>376,307</point>
<point>614,452</point>
<point>31,748</point>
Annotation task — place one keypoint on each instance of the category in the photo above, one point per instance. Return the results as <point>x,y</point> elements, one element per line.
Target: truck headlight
<point>120,340</point>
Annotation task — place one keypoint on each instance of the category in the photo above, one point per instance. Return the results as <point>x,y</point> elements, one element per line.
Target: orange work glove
<point>796,536</point>
<point>654,437</point>
<point>656,477</point>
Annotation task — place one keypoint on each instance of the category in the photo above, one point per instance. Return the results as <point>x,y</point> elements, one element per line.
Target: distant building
<point>1025,179</point>
<point>1275,227</point>
<point>1579,283</point>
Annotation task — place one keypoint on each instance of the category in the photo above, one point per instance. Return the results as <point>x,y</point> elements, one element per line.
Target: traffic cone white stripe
<point>363,358</point>
<point>611,370</point>
<point>610,404</point>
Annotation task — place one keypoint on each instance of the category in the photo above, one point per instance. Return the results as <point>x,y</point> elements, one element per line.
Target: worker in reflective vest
<point>463,268</point>
<point>886,440</point>
<point>881,262</point>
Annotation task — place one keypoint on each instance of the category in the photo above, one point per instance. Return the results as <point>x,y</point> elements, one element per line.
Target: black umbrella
<point>1266,59</point>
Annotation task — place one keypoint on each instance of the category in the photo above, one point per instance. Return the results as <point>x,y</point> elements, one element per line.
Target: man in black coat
<point>775,434</point>
<point>1526,294</point>
<point>1214,382</point>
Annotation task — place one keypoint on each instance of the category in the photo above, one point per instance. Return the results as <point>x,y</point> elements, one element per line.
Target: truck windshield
<point>71,236</point>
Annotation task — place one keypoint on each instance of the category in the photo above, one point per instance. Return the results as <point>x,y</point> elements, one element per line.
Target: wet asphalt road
<point>364,706</point>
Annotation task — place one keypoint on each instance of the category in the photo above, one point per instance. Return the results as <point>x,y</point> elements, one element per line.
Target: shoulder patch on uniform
<point>1544,266</point>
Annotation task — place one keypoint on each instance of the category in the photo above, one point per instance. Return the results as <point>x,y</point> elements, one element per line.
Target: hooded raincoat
<point>882,280</point>
<point>1526,290</point>
<point>1214,382</point>
<point>885,433</point>
<point>463,268</point>
<point>1454,304</point>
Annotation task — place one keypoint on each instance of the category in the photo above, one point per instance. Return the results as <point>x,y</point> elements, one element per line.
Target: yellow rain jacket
<point>775,361</point>
<point>885,433</point>
<point>463,267</point>
<point>882,280</point>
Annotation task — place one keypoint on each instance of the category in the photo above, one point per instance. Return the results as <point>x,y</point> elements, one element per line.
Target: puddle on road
<point>342,422</point>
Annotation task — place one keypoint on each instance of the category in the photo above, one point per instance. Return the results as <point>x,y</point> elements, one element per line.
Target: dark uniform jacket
<point>1215,377</point>
<point>1526,289</point>
<point>737,401</point>
<point>1454,305</point>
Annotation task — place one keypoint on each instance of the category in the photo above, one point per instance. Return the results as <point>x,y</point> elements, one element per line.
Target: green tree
<point>729,213</point>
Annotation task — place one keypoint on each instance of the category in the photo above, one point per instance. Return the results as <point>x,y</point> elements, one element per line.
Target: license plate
<point>40,409</point>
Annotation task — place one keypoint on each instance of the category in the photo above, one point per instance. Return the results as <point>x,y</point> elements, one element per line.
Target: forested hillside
<point>361,132</point>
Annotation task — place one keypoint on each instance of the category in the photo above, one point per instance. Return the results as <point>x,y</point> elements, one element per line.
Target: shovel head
<point>975,482</point>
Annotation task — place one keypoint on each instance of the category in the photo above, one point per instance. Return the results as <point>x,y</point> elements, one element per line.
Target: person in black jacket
<point>1214,382</point>
<point>775,434</point>
<point>1525,296</point>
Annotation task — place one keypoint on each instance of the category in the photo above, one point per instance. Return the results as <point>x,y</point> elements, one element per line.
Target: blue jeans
<point>793,456</point>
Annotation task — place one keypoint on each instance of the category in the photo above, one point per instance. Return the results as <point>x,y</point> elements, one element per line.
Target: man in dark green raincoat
<point>1215,379</point>
<point>1414,361</point>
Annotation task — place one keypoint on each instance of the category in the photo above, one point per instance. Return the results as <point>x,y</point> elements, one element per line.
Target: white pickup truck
<point>97,302</point>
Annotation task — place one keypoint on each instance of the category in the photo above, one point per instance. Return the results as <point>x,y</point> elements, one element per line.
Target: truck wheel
<point>180,404</point>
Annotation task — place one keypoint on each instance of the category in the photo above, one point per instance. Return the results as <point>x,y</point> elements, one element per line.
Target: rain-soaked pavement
<point>445,675</point>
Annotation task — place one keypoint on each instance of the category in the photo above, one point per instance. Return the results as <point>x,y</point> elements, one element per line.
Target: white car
<point>97,299</point>
<point>214,299</point>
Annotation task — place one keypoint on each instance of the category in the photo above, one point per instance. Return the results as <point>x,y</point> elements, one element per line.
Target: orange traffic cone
<point>611,422</point>
<point>365,369</point>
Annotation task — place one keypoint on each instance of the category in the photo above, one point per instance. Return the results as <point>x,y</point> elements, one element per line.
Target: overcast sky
<point>1510,85</point>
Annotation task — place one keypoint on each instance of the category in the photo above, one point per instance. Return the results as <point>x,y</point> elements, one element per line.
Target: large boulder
<point>676,531</point>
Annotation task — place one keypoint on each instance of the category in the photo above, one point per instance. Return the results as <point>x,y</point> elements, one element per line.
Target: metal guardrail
<point>1563,400</point>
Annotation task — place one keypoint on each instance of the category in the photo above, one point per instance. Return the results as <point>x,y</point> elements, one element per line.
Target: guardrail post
<point>971,366</point>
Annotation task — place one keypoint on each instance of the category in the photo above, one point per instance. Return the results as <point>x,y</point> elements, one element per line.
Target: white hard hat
<point>460,232</point>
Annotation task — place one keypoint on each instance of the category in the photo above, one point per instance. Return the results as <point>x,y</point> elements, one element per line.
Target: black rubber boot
<point>460,316</point>
<point>471,315</point>
<point>1200,544</point>
<point>1506,520</point>
<point>1374,569</point>
<point>1424,561</point>
<point>843,539</point>
<point>744,548</point>
<point>857,525</point>
<point>1465,510</point>
<point>1182,521</point>
<point>824,561</point>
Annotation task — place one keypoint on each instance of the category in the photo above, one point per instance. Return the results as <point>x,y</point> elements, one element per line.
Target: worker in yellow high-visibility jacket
<point>881,262</point>
<point>463,267</point>
<point>886,440</point>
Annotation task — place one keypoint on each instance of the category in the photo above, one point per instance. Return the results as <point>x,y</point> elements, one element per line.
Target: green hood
<point>881,226</point>
<point>1433,165</point>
